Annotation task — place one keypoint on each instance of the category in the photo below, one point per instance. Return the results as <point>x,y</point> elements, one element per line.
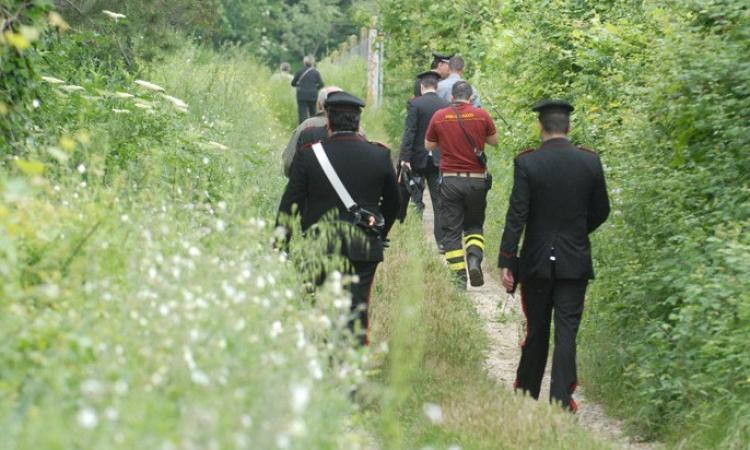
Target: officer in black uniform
<point>438,59</point>
<point>559,197</point>
<point>366,171</point>
<point>419,112</point>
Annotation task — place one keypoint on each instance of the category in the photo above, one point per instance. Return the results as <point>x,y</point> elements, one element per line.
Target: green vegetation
<point>661,92</point>
<point>273,31</point>
<point>141,305</point>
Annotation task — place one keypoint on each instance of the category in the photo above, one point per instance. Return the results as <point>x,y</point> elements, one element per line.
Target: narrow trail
<point>503,323</point>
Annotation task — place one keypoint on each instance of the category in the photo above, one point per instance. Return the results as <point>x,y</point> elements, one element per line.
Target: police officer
<point>461,131</point>
<point>559,197</point>
<point>439,65</point>
<point>419,112</point>
<point>366,172</point>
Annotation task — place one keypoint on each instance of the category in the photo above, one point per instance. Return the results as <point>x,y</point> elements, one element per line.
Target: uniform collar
<point>346,136</point>
<point>556,142</point>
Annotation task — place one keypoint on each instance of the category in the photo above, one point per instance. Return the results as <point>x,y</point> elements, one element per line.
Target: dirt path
<point>503,322</point>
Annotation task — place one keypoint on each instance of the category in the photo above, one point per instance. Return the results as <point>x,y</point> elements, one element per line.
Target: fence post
<point>374,65</point>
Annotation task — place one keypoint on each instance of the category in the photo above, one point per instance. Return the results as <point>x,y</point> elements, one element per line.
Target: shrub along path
<point>503,323</point>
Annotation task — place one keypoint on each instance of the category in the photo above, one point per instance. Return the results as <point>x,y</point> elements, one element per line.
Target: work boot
<point>475,271</point>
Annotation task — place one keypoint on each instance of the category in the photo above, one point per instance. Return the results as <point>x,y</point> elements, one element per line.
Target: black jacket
<point>366,171</point>
<point>559,196</point>
<point>419,111</point>
<point>307,85</point>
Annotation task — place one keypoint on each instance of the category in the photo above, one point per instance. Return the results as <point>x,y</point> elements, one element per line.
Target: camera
<point>373,223</point>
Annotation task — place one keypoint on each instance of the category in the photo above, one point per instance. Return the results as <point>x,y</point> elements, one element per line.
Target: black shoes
<point>476,278</point>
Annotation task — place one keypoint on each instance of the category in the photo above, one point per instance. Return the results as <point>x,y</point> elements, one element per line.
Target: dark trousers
<point>539,299</point>
<point>361,291</point>
<point>306,109</point>
<point>462,206</point>
<point>431,175</point>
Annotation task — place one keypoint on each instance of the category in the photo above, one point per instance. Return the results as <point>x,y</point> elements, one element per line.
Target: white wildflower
<point>175,101</point>
<point>260,283</point>
<point>433,412</point>
<point>113,15</point>
<point>246,421</point>
<point>300,397</point>
<point>148,85</point>
<point>283,441</point>
<point>220,225</point>
<point>205,160</point>
<point>87,418</point>
<point>276,329</point>
<point>200,378</point>
<point>72,88</point>
<point>194,252</point>
<point>91,387</point>
<point>216,145</point>
<point>142,105</point>
<point>124,218</point>
<point>35,103</point>
<point>81,169</point>
<point>120,111</point>
<point>188,356</point>
<point>123,95</point>
<point>53,80</point>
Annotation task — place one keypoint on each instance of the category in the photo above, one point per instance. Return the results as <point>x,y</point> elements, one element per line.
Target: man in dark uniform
<point>461,131</point>
<point>439,65</point>
<point>419,112</point>
<point>559,197</point>
<point>366,172</point>
<point>307,80</point>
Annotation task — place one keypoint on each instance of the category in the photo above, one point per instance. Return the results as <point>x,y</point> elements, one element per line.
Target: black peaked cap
<point>343,99</point>
<point>549,105</point>
<point>428,73</point>
<point>441,56</point>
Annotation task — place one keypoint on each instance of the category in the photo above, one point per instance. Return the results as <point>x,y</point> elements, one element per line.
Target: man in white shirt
<point>445,86</point>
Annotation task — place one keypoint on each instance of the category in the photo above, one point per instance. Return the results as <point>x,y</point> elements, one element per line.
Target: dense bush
<point>661,91</point>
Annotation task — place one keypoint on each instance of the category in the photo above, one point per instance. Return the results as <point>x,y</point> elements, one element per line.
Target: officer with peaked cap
<point>366,173</point>
<point>559,197</point>
<point>439,64</point>
<point>414,155</point>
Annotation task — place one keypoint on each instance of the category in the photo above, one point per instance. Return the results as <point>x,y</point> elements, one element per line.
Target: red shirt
<point>456,153</point>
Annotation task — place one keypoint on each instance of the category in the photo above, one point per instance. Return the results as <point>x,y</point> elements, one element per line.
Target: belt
<point>465,174</point>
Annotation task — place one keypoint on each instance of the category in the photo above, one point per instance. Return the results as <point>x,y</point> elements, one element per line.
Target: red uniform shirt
<point>456,153</point>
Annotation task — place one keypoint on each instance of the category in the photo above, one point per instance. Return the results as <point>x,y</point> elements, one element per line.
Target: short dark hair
<point>556,121</point>
<point>429,81</point>
<point>462,90</point>
<point>456,63</point>
<point>343,119</point>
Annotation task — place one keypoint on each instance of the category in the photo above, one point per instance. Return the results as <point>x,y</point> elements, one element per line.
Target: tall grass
<point>142,304</point>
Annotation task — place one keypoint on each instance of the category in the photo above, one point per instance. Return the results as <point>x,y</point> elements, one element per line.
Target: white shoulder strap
<point>333,177</point>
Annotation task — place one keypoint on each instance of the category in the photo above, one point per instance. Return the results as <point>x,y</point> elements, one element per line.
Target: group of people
<point>558,198</point>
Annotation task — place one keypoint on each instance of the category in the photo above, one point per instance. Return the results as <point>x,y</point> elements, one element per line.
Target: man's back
<point>307,81</point>
<point>565,198</point>
<point>364,168</point>
<point>457,149</point>
<point>419,113</point>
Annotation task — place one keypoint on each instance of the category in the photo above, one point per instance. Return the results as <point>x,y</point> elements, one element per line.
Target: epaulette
<point>380,144</point>
<point>587,150</point>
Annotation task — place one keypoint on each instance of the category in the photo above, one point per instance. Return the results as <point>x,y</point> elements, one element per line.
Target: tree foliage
<point>275,31</point>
